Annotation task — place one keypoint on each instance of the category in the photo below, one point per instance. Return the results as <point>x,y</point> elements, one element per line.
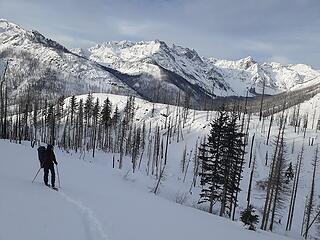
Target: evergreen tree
<point>73,108</point>
<point>95,117</point>
<point>116,116</point>
<point>35,120</point>
<point>231,164</point>
<point>210,156</point>
<point>51,124</point>
<point>59,115</point>
<point>289,173</point>
<point>79,135</point>
<point>88,106</point>
<point>249,218</point>
<point>106,113</point>
<point>106,122</point>
<point>87,110</point>
<point>221,159</point>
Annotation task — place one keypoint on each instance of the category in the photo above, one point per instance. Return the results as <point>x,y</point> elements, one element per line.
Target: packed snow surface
<point>94,202</point>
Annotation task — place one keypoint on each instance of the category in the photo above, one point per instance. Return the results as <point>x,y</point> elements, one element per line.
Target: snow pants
<point>46,173</point>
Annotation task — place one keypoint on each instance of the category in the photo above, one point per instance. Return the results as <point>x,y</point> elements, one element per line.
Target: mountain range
<point>152,70</point>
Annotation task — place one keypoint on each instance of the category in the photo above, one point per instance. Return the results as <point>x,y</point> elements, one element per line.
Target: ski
<point>53,188</point>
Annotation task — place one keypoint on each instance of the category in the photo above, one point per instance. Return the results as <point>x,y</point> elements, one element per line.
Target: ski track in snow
<point>93,226</point>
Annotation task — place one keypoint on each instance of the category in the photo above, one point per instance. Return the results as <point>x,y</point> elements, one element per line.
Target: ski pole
<point>36,175</point>
<point>58,176</point>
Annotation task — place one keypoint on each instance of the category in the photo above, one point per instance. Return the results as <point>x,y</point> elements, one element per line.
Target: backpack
<point>41,155</point>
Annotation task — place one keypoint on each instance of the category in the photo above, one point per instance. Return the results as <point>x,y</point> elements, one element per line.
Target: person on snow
<point>48,164</point>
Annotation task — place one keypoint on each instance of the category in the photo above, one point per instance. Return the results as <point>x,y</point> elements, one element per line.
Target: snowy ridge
<point>223,77</point>
<point>150,57</point>
<point>149,69</point>
<point>47,66</point>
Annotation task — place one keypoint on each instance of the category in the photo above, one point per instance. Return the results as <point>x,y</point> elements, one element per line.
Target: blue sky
<point>286,31</point>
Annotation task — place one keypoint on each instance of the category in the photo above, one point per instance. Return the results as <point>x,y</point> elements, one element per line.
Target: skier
<point>48,164</point>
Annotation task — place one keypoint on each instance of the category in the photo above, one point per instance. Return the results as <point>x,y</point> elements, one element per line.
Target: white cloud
<point>279,59</point>
<point>70,41</point>
<point>131,28</point>
<point>258,46</point>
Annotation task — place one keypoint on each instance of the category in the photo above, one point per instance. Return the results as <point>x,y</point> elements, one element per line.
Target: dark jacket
<point>50,158</point>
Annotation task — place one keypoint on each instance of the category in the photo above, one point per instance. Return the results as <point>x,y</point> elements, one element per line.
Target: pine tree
<point>289,173</point>
<point>95,117</point>
<point>87,109</point>
<point>35,120</point>
<point>59,115</point>
<point>122,136</point>
<point>221,161</point>
<point>51,124</point>
<point>73,108</point>
<point>210,156</point>
<point>249,218</point>
<point>79,135</point>
<point>135,147</point>
<point>116,116</point>
<point>106,121</point>
<point>231,164</point>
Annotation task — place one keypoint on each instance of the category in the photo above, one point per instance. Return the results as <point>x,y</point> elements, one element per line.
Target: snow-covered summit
<point>5,25</point>
<point>151,57</point>
<point>124,50</point>
<point>49,67</point>
<point>14,34</point>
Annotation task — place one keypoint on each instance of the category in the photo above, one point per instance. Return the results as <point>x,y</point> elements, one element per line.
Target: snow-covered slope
<point>99,202</point>
<point>177,186</point>
<point>96,203</point>
<point>46,66</point>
